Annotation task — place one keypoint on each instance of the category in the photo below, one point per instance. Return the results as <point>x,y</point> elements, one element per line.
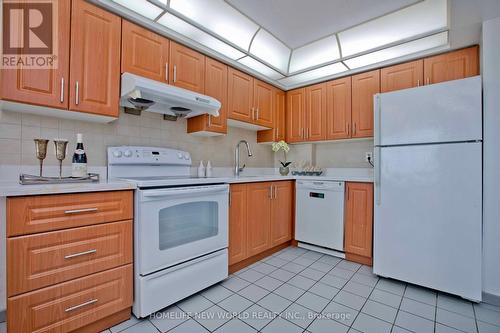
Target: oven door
<point>174,225</point>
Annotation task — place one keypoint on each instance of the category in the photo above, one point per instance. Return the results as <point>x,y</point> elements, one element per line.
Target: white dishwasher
<point>319,213</point>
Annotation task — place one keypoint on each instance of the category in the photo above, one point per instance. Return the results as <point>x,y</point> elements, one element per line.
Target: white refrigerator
<point>428,186</point>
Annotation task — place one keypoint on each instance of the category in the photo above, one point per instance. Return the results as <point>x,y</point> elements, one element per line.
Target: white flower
<point>281,145</point>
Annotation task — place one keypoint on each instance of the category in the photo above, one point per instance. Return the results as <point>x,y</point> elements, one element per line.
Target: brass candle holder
<point>41,151</point>
<point>60,146</point>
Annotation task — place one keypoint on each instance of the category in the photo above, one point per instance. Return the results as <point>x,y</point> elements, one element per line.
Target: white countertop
<point>13,188</point>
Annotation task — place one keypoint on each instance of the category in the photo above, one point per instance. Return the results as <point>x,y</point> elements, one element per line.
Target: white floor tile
<point>321,266</point>
<point>299,315</point>
<point>324,290</point>
<point>312,255</point>
<point>379,310</point>
<point>212,318</point>
<point>274,261</point>
<point>264,268</point>
<point>257,317</point>
<point>455,304</point>
<point>312,301</point>
<point>340,313</point>
<point>274,303</point>
<point>193,304</point>
<point>414,323</point>
<point>369,324</point>
<point>349,265</point>
<point>440,328</point>
<point>330,260</point>
<point>168,318</point>
<point>301,282</point>
<point>334,281</point>
<point>235,325</point>
<point>358,289</point>
<point>386,298</point>
<point>487,313</point>
<point>282,275</point>
<point>235,304</point>
<point>321,325</point>
<point>234,283</point>
<point>189,326</point>
<point>293,267</point>
<point>289,292</point>
<point>421,294</point>
<point>312,274</point>
<point>417,308</point>
<point>303,261</point>
<point>216,293</point>
<point>341,272</point>
<point>253,292</point>
<point>456,320</point>
<point>143,326</point>
<point>123,325</point>
<point>367,270</point>
<point>280,325</point>
<point>251,275</point>
<point>269,283</point>
<point>487,328</point>
<point>392,286</point>
<point>353,301</point>
<point>397,329</point>
<point>368,280</point>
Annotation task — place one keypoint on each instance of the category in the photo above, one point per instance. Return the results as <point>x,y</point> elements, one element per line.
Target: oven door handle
<point>184,191</point>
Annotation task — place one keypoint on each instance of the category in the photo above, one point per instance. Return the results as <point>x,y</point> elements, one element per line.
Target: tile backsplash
<point>17,132</point>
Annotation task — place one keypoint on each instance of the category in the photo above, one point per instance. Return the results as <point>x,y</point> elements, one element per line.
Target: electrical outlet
<point>369,156</point>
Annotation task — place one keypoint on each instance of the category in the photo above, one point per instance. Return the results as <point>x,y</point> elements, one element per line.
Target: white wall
<point>491,96</point>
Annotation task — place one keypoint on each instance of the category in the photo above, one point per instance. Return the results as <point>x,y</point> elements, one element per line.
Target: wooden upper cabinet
<point>315,111</point>
<point>263,103</point>
<point>238,223</point>
<point>359,219</point>
<point>258,217</point>
<point>402,76</point>
<point>338,109</point>
<point>240,96</point>
<point>282,212</point>
<point>187,68</point>
<point>452,65</point>
<point>295,117</point>
<point>95,60</point>
<point>216,87</point>
<point>364,86</point>
<point>45,87</point>
<point>278,131</point>
<point>144,53</point>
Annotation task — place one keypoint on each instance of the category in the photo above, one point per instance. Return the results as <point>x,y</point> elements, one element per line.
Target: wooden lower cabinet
<point>69,262</point>
<point>260,218</point>
<point>238,223</point>
<point>71,305</point>
<point>358,236</point>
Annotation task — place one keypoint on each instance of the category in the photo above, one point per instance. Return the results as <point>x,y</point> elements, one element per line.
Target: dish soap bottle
<point>201,170</point>
<point>79,164</point>
<point>208,172</point>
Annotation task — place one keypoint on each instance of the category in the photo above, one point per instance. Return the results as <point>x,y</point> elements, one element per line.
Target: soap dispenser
<point>201,170</point>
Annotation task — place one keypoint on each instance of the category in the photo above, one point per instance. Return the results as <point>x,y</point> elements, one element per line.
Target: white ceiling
<point>298,22</point>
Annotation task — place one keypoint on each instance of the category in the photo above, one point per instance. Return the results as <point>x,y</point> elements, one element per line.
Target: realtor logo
<point>29,32</point>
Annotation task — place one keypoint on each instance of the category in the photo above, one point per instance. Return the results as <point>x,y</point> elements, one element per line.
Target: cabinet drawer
<point>58,256</point>
<point>71,305</point>
<point>27,215</point>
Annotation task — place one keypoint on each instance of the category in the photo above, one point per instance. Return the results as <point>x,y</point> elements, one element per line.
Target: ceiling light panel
<point>314,74</point>
<point>141,7</point>
<point>314,54</point>
<point>419,45</point>
<point>271,50</point>
<point>424,17</point>
<point>181,27</point>
<point>260,68</point>
<point>220,18</point>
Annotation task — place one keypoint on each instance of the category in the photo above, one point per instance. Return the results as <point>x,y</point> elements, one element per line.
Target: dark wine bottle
<point>79,164</point>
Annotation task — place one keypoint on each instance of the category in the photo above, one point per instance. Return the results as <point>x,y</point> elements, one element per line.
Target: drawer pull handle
<point>69,256</point>
<point>76,307</point>
<point>77,211</point>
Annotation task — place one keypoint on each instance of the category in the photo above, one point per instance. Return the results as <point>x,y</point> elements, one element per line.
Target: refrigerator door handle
<point>377,118</point>
<point>378,171</point>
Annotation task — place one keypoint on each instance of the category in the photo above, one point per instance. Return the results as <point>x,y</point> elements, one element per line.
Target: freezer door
<point>444,112</point>
<point>428,218</point>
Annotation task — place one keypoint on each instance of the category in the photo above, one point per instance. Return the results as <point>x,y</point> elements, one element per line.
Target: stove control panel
<point>147,155</point>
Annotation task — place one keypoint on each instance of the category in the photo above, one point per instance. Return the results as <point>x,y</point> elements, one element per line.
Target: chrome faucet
<point>237,168</point>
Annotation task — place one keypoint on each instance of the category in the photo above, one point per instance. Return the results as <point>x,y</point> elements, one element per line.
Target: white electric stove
<point>180,226</point>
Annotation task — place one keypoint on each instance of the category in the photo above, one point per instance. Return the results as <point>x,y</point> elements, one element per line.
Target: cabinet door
<point>359,219</point>
<point>258,217</point>
<point>216,87</point>
<point>144,53</point>
<point>238,223</point>
<point>364,86</point>
<point>338,109</point>
<point>188,68</point>
<point>277,133</point>
<point>295,117</point>
<point>452,65</point>
<point>95,60</point>
<point>282,212</point>
<point>263,103</point>
<point>46,87</point>
<point>402,76</point>
<point>240,96</point>
<point>316,112</point>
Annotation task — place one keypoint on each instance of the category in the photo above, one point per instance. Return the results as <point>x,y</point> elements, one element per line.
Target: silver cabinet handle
<point>253,113</point>
<point>257,114</point>
<point>348,129</point>
<point>277,132</point>
<point>79,254</point>
<point>166,71</point>
<point>77,95</point>
<point>61,99</point>
<point>428,80</point>
<point>209,120</point>
<point>175,73</point>
<point>76,307</point>
<point>354,129</point>
<point>270,195</point>
<point>83,210</point>
<point>418,83</point>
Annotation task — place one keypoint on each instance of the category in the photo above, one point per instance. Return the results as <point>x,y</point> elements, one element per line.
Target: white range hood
<point>142,94</point>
